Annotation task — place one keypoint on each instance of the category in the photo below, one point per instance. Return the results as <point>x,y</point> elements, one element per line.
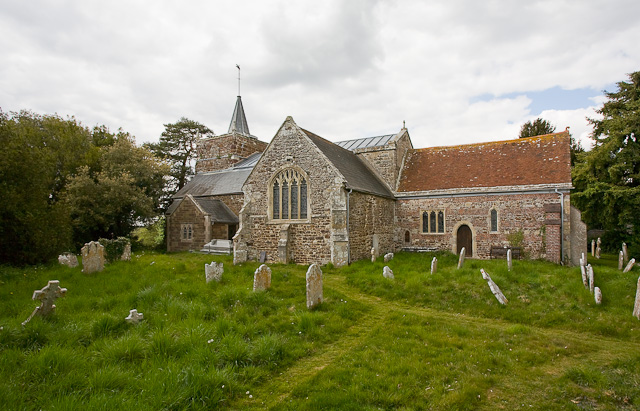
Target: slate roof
<point>239,120</point>
<point>228,181</point>
<point>218,210</point>
<point>526,161</point>
<point>359,177</point>
<point>365,142</point>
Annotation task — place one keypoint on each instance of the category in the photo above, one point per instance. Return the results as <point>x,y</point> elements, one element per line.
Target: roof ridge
<point>488,143</point>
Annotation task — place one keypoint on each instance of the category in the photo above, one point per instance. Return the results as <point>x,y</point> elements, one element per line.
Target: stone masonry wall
<point>186,213</point>
<point>220,152</point>
<point>370,215</point>
<point>524,212</point>
<point>310,241</point>
<point>387,160</point>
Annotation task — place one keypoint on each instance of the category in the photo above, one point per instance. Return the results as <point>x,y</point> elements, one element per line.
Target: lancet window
<point>289,196</point>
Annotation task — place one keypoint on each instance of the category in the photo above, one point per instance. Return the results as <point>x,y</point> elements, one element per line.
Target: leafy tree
<point>607,178</point>
<point>538,127</point>
<point>177,146</point>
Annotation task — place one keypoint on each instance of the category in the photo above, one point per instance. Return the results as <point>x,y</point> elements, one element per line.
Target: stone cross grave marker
<point>636,306</point>
<point>213,271</point>
<point>434,265</point>
<point>621,260</point>
<point>509,263</point>
<point>387,273</point>
<point>47,296</point>
<point>629,266</point>
<point>598,295</point>
<point>68,259</point>
<point>134,317</point>
<point>262,278</point>
<point>591,279</point>
<point>92,257</point>
<point>388,257</point>
<point>314,286</point>
<point>625,252</point>
<point>461,258</point>
<point>494,288</point>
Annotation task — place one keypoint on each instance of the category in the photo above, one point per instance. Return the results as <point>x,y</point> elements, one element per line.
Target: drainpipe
<point>561,225</point>
<point>348,237</point>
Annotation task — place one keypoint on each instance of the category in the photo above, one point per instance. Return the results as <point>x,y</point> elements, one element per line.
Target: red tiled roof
<point>525,161</point>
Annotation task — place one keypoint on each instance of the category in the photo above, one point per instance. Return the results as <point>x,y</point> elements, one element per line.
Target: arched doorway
<point>464,239</point>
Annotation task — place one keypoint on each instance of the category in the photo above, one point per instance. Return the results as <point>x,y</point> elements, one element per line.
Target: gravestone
<point>598,295</point>
<point>509,263</point>
<point>598,251</point>
<point>593,248</point>
<point>314,286</point>
<point>262,278</point>
<point>591,279</point>
<point>68,259</point>
<point>629,265</point>
<point>387,273</point>
<point>583,270</point>
<point>461,258</point>
<point>263,256</point>
<point>598,243</point>
<point>388,257</point>
<point>92,257</point>
<point>636,307</point>
<point>126,254</point>
<point>621,260</point>
<point>213,271</point>
<point>625,252</point>
<point>373,255</point>
<point>434,265</point>
<point>494,288</point>
<point>47,296</point>
<point>134,317</point>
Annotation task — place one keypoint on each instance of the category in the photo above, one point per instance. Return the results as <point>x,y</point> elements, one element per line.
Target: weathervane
<point>238,67</point>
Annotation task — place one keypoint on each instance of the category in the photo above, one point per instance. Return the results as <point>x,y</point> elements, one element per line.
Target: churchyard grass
<point>420,341</point>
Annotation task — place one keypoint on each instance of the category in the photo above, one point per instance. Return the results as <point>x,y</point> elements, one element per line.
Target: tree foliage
<point>50,168</point>
<point>607,178</point>
<point>177,146</point>
<point>538,127</point>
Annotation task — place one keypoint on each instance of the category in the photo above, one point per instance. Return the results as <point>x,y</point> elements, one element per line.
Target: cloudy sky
<point>456,71</point>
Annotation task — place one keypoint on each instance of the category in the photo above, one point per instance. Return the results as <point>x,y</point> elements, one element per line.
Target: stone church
<point>304,199</point>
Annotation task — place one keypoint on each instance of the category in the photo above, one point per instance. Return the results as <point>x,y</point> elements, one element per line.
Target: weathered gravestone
<point>494,288</point>
<point>636,307</point>
<point>598,252</point>
<point>47,296</point>
<point>621,260</point>
<point>314,286</point>
<point>598,295</point>
<point>434,265</point>
<point>509,263</point>
<point>68,259</point>
<point>262,278</point>
<point>583,270</point>
<point>590,275</point>
<point>625,252</point>
<point>461,258</point>
<point>134,317</point>
<point>126,254</point>
<point>593,248</point>
<point>373,255</point>
<point>387,273</point>
<point>388,257</point>
<point>630,265</point>
<point>263,256</point>
<point>213,271</point>
<point>92,257</point>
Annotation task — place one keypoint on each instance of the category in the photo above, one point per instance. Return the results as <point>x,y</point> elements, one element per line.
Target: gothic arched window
<point>289,196</point>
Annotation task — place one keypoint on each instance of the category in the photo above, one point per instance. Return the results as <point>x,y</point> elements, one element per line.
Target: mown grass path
<point>278,390</point>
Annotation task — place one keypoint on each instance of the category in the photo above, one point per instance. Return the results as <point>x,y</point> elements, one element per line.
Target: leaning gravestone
<point>262,278</point>
<point>630,265</point>
<point>314,286</point>
<point>213,271</point>
<point>625,252</point>
<point>583,270</point>
<point>621,261</point>
<point>387,273</point>
<point>591,279</point>
<point>92,257</point>
<point>494,288</point>
<point>434,265</point>
<point>134,317</point>
<point>598,295</point>
<point>388,257</point>
<point>47,296</point>
<point>68,259</point>
<point>636,307</point>
<point>461,258</point>
<point>126,254</point>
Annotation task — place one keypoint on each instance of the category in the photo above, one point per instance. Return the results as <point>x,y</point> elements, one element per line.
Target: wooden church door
<point>465,239</point>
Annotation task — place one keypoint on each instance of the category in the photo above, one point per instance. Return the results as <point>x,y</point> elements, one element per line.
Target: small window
<point>494,220</point>
<point>433,222</point>
<point>407,237</point>
<point>186,232</point>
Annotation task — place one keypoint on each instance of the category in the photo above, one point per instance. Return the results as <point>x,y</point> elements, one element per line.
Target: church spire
<point>239,120</point>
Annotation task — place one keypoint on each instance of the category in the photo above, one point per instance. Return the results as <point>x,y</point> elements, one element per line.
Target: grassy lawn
<point>420,341</point>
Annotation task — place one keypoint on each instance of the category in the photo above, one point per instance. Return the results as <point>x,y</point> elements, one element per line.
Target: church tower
<point>223,151</point>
